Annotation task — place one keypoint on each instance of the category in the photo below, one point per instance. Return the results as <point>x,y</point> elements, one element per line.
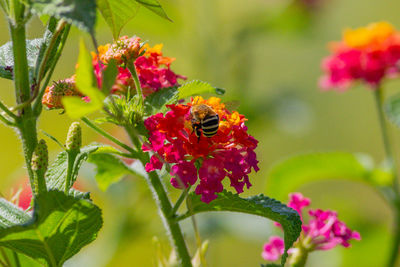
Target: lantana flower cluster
<point>367,54</point>
<point>323,231</point>
<point>153,69</point>
<point>229,153</point>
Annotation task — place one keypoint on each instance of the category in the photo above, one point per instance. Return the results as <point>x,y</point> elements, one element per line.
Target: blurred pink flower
<point>324,230</point>
<point>273,249</point>
<point>367,54</point>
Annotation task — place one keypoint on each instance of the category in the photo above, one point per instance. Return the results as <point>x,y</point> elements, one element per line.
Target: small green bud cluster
<point>74,137</point>
<point>123,112</point>
<point>40,157</point>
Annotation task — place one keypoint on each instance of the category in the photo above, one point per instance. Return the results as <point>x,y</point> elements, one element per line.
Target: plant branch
<point>180,201</point>
<point>164,205</point>
<point>132,69</point>
<point>6,121</point>
<point>37,107</point>
<point>378,94</point>
<point>42,68</point>
<point>7,111</point>
<point>108,136</point>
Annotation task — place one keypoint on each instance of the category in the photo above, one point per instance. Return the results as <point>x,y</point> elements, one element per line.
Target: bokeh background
<point>267,54</point>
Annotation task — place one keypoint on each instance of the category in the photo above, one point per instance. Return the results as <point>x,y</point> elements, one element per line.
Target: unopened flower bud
<point>40,157</point>
<point>74,137</point>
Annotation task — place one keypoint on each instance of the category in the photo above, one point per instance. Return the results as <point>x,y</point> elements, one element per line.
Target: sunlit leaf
<point>11,215</point>
<point>154,6</point>
<point>81,13</point>
<point>60,226</point>
<point>117,13</point>
<point>86,84</point>
<point>259,205</point>
<point>7,57</point>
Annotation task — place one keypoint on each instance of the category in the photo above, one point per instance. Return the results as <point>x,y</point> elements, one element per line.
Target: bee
<point>204,119</point>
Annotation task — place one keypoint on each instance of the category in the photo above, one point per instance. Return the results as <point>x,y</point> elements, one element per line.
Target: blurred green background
<point>267,54</point>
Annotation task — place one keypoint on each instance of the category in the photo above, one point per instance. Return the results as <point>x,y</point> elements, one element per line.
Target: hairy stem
<point>27,122</point>
<point>394,253</point>
<point>164,205</point>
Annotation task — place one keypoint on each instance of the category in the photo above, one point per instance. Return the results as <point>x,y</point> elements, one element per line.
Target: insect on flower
<point>204,119</point>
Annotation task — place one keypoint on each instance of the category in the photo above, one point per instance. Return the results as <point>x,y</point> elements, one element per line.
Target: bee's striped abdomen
<point>210,125</point>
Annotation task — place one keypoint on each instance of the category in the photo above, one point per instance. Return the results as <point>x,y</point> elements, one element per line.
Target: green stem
<point>180,200</point>
<point>139,91</point>
<point>299,258</point>
<point>27,122</point>
<point>396,240</point>
<point>37,107</point>
<point>6,121</point>
<point>7,111</point>
<point>378,93</point>
<point>71,155</point>
<point>108,136</point>
<point>164,205</point>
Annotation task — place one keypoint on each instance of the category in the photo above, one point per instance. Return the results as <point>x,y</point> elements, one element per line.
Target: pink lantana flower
<point>323,231</point>
<point>229,153</point>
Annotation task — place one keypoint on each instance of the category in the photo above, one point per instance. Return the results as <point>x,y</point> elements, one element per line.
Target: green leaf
<point>57,172</point>
<point>110,169</point>
<point>81,13</point>
<point>156,102</point>
<point>257,205</point>
<point>197,87</point>
<point>288,175</point>
<point>117,13</point>
<point>11,215</point>
<point>7,58</point>
<point>61,225</point>
<point>86,84</point>
<point>154,6</point>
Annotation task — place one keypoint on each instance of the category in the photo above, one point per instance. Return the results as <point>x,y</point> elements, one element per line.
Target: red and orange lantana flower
<point>229,153</point>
